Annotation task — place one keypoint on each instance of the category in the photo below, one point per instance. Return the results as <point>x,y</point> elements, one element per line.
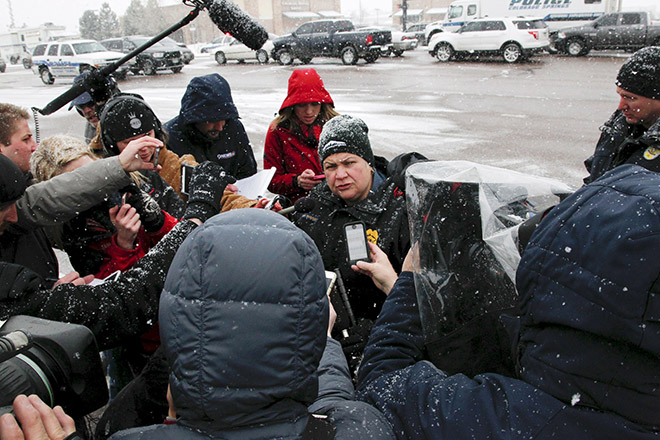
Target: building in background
<point>420,11</point>
<point>277,16</point>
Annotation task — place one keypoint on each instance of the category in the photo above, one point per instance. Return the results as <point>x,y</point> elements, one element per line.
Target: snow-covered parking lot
<point>540,117</point>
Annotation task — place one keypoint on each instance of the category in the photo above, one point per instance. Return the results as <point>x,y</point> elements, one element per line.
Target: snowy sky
<point>36,12</point>
<point>67,12</point>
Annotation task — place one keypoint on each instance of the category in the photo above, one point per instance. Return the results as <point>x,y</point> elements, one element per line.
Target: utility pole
<point>404,14</point>
<point>11,15</point>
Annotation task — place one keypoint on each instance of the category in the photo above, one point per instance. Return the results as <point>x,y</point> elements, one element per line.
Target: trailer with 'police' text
<point>556,13</point>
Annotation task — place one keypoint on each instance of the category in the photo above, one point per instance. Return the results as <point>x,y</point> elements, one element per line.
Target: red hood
<point>305,85</point>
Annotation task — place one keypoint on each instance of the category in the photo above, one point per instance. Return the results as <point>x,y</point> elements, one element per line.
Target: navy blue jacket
<point>588,344</point>
<point>243,320</point>
<point>208,99</point>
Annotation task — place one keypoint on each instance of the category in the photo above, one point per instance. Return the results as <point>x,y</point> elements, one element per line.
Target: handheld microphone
<point>303,205</point>
<point>229,18</point>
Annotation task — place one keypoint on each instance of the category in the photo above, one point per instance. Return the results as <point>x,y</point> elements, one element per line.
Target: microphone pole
<point>88,83</point>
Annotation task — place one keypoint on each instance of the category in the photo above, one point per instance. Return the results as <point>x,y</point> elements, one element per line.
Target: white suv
<point>71,58</point>
<point>513,38</point>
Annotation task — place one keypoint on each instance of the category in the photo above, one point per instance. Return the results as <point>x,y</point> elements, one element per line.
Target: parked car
<point>514,39</point>
<point>155,58</point>
<point>3,65</point>
<point>419,30</point>
<point>215,43</point>
<point>187,55</point>
<point>401,41</point>
<point>618,30</point>
<point>70,58</point>
<point>330,38</point>
<point>232,49</point>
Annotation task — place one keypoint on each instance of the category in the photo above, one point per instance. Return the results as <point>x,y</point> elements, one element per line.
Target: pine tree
<point>88,24</point>
<point>156,23</point>
<point>108,22</point>
<point>135,20</point>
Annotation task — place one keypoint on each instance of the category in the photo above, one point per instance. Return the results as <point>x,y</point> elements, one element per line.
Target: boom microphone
<point>231,19</point>
<point>303,205</point>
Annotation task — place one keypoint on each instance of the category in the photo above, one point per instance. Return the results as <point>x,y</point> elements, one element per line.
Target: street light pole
<point>404,14</point>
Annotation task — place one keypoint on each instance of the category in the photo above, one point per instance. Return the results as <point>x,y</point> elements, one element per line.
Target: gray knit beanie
<point>641,73</point>
<point>345,134</point>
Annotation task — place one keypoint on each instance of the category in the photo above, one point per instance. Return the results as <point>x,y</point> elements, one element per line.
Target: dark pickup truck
<point>618,30</point>
<point>330,38</point>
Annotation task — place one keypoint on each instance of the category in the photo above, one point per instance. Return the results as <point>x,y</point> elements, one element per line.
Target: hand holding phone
<point>356,242</point>
<point>319,177</point>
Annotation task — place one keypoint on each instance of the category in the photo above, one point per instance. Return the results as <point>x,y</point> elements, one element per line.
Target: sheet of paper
<point>255,186</point>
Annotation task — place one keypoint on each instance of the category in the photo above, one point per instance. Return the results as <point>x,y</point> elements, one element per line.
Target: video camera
<point>57,361</point>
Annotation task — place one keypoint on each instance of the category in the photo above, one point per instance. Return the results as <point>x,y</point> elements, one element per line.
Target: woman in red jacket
<point>293,137</point>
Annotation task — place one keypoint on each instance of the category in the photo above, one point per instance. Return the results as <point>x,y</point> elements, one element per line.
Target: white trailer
<point>556,13</point>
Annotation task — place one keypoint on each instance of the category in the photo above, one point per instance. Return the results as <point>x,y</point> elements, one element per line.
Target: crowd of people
<point>220,313</point>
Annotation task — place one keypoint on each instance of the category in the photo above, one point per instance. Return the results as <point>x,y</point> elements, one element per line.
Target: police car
<point>70,58</point>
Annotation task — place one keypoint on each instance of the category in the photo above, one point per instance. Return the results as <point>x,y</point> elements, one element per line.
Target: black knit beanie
<point>641,73</point>
<point>345,134</point>
<point>123,117</point>
<point>12,182</point>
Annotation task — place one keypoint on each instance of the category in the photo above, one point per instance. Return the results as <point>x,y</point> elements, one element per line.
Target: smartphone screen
<point>356,240</point>
<point>330,279</point>
<point>186,174</point>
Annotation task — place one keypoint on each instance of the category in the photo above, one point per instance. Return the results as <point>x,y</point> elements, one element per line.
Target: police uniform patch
<point>651,153</point>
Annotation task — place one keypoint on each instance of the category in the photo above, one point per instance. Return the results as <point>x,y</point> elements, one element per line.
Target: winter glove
<point>17,280</point>
<point>151,215</point>
<point>207,184</point>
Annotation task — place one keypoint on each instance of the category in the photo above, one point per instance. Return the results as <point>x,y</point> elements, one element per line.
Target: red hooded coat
<point>291,147</point>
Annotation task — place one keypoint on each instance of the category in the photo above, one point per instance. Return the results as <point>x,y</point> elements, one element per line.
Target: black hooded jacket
<point>208,99</point>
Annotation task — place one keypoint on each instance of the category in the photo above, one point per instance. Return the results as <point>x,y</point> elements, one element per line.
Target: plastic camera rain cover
<point>464,219</point>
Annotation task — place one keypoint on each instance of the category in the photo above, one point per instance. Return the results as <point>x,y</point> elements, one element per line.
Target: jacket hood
<point>207,99</point>
<point>305,85</point>
<point>243,319</point>
<point>589,286</point>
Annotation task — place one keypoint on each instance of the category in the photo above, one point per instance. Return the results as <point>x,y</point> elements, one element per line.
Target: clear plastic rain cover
<point>464,219</point>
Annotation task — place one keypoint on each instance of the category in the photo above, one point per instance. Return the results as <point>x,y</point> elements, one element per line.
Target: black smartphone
<point>186,174</point>
<point>116,199</point>
<point>156,154</point>
<point>356,242</point>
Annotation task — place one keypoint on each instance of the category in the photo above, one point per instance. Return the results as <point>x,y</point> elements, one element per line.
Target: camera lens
<point>23,375</point>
